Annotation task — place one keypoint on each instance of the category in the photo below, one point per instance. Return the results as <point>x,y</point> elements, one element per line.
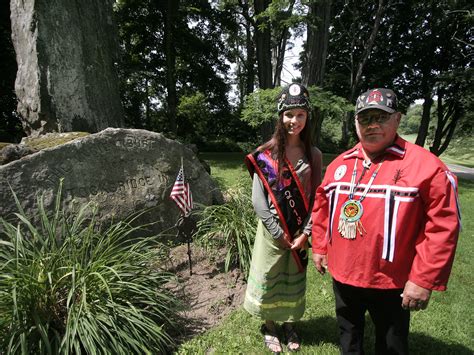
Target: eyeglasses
<point>365,118</point>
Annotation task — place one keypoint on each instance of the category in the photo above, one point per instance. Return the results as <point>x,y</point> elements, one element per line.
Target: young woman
<point>286,171</point>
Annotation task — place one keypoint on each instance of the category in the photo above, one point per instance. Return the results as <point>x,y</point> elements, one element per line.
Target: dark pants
<point>391,321</point>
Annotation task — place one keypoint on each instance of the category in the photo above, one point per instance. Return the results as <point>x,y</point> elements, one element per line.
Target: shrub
<point>260,106</point>
<point>219,145</point>
<point>231,225</point>
<point>68,285</point>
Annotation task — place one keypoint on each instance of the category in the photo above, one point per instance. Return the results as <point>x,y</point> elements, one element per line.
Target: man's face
<point>376,129</point>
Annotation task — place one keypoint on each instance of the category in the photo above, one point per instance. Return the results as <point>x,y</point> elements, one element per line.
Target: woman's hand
<point>299,242</point>
<point>284,243</point>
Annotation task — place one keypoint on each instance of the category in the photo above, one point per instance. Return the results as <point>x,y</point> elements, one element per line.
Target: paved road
<point>462,171</point>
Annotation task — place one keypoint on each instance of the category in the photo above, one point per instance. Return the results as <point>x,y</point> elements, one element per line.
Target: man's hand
<point>299,242</point>
<point>321,262</point>
<point>415,297</point>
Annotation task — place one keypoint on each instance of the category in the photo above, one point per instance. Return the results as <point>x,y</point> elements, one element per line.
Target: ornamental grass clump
<point>232,226</point>
<point>68,285</point>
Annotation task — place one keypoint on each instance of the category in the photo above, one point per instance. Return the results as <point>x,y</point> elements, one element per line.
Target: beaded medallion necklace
<point>352,210</point>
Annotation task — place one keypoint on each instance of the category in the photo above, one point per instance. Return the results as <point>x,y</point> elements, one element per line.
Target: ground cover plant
<point>70,285</point>
<point>231,226</point>
<point>446,327</point>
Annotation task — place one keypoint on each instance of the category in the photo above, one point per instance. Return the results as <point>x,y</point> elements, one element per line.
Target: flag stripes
<point>181,193</point>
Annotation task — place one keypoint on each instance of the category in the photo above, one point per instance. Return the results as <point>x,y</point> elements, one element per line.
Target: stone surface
<point>66,79</point>
<point>13,152</point>
<point>122,170</point>
<point>30,145</point>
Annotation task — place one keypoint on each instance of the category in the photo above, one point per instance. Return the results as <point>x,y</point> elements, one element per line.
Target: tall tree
<point>171,11</point>
<point>358,65</point>
<point>250,49</point>
<point>314,59</point>
<point>241,39</point>
<point>171,50</point>
<point>427,53</point>
<point>263,44</point>
<point>283,20</point>
<point>10,127</point>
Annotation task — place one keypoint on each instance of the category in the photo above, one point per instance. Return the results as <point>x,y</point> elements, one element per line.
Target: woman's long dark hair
<point>278,142</point>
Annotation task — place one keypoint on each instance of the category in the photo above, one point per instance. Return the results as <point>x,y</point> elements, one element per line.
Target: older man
<point>385,224</point>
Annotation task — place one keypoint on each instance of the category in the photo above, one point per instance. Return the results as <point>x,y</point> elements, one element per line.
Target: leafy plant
<point>68,285</point>
<point>231,225</point>
<point>261,105</point>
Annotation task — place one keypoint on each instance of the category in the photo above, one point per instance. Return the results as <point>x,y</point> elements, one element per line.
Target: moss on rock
<point>51,139</point>
<point>3,145</point>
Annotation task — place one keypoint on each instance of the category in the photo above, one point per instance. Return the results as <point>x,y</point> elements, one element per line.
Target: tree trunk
<point>264,58</point>
<point>250,66</point>
<point>171,10</point>
<point>425,120</point>
<point>317,43</point>
<point>316,125</point>
<point>263,39</point>
<point>147,123</point>
<point>448,116</point>
<point>360,68</point>
<point>440,124</point>
<point>249,62</point>
<point>449,131</point>
<point>280,48</point>
<point>279,58</point>
<point>317,46</point>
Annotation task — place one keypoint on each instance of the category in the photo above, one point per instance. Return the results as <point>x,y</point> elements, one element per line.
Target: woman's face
<point>294,120</point>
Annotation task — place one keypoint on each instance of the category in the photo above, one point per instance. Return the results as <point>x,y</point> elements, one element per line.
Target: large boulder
<point>122,170</point>
<point>66,79</point>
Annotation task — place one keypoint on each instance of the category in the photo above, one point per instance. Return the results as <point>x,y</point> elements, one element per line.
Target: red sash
<point>287,195</point>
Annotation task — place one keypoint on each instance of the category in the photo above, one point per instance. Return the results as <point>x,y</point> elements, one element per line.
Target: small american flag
<point>181,193</point>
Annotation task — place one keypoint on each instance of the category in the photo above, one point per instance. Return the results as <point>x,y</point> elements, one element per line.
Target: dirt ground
<point>209,294</point>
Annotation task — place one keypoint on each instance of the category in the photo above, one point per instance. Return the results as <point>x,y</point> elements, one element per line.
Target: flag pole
<point>189,257</point>
<point>181,194</point>
<point>188,239</point>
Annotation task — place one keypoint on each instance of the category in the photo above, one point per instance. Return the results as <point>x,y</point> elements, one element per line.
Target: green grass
<point>409,137</point>
<point>460,150</point>
<point>228,169</point>
<point>446,327</point>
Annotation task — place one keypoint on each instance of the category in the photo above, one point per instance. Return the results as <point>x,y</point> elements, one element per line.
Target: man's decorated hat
<point>293,96</point>
<point>382,99</point>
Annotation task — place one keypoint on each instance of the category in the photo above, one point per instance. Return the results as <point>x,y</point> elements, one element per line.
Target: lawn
<point>446,327</point>
<point>460,150</point>
<point>228,169</point>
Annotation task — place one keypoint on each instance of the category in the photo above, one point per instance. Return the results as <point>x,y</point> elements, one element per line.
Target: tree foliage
<point>158,64</point>
<point>419,45</point>
<point>211,55</point>
<point>260,107</point>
